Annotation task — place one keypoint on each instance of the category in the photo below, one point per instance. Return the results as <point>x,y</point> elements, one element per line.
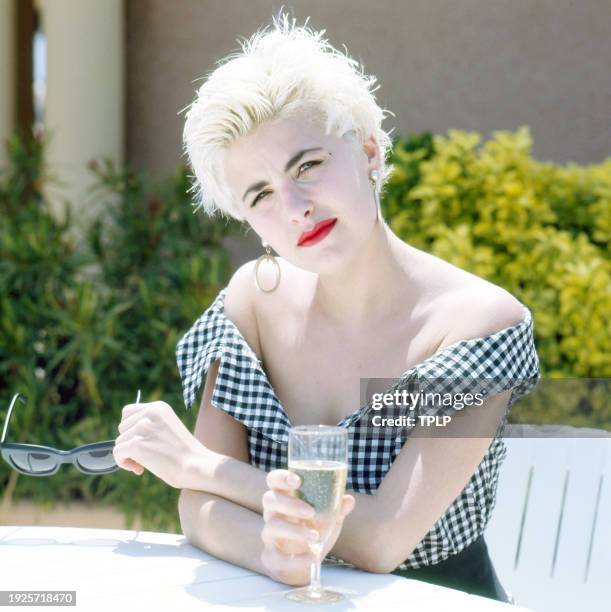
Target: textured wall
<point>7,74</point>
<point>441,64</point>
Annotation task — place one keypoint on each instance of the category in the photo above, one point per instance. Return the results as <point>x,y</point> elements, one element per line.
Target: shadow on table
<point>252,591</point>
<point>218,582</point>
<point>130,547</point>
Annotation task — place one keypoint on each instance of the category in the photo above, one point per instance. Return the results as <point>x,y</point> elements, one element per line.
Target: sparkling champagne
<point>323,484</point>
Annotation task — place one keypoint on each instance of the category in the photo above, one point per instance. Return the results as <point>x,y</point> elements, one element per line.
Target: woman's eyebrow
<point>289,164</point>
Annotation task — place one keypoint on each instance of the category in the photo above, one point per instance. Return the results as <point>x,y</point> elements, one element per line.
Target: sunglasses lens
<point>33,462</point>
<point>97,460</point>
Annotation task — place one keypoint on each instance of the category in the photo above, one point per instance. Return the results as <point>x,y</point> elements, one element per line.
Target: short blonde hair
<point>277,72</point>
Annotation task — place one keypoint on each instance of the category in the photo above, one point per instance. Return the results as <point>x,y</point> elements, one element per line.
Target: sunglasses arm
<point>22,398</point>
<point>16,397</point>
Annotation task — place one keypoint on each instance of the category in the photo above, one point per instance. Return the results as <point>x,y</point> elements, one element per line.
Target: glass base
<point>305,595</point>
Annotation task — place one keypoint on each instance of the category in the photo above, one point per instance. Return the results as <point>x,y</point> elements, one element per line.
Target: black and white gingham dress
<point>243,391</point>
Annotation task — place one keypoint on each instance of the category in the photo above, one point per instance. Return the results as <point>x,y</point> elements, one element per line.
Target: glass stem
<point>315,586</point>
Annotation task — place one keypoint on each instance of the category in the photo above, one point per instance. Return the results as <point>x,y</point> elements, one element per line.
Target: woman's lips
<point>317,233</point>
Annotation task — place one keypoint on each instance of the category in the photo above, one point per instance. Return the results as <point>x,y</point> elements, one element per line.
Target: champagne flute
<point>318,454</point>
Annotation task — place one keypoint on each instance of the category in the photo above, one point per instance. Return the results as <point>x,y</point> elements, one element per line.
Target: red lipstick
<point>317,233</point>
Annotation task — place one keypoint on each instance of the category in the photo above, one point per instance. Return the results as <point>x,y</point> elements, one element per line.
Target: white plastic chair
<point>550,533</point>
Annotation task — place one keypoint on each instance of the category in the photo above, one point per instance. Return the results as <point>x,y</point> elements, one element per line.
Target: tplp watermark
<point>397,406</point>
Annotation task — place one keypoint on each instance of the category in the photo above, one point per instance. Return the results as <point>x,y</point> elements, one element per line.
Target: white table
<point>120,570</point>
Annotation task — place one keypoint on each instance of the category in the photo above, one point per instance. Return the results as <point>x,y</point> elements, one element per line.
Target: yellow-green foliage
<point>537,229</point>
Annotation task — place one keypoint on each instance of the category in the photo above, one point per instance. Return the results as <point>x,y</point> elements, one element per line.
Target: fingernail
<point>293,480</point>
<point>307,512</point>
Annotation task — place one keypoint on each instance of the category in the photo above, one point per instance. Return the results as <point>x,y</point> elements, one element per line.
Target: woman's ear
<point>372,151</point>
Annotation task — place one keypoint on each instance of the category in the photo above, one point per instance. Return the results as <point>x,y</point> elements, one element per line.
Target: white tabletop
<point>141,570</point>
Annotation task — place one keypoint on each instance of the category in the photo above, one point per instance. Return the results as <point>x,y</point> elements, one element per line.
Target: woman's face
<point>287,177</point>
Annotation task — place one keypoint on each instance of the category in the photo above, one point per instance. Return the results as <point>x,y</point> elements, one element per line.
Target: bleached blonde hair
<point>277,72</point>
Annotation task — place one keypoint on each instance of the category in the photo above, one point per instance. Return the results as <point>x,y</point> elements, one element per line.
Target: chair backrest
<point>550,533</point>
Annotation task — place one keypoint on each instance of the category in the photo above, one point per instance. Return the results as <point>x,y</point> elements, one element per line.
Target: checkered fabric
<point>507,359</point>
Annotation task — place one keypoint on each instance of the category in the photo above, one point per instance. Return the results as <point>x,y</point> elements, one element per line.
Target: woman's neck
<point>369,288</point>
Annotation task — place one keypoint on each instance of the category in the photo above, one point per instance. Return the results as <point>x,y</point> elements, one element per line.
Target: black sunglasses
<point>36,460</point>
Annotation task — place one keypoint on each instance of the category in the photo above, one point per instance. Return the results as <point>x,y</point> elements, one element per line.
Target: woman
<point>286,136</point>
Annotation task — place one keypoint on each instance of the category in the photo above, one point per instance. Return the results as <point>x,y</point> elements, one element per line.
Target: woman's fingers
<point>281,498</point>
<point>288,530</point>
<point>123,452</point>
<point>135,417</point>
<point>348,503</point>
<point>291,547</point>
<point>276,502</point>
<point>134,466</point>
<point>292,538</point>
<point>283,480</point>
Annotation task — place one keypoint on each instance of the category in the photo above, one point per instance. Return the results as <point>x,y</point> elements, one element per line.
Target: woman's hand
<point>153,437</point>
<point>286,554</point>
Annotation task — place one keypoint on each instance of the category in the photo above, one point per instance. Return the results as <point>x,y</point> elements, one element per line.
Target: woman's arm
<point>235,534</point>
<point>223,459</point>
<point>238,529</point>
<point>228,528</point>
<point>222,528</point>
<point>233,531</point>
<point>426,477</point>
<point>424,480</point>
<point>432,470</point>
<point>264,544</point>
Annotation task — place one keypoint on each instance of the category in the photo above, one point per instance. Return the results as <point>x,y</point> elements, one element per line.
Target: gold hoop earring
<point>267,257</point>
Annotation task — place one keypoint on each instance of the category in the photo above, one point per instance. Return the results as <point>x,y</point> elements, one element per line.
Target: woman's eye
<point>258,197</point>
<point>264,193</point>
<point>309,165</point>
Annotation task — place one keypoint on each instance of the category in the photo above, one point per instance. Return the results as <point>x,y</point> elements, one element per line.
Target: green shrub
<point>537,229</point>
<point>82,327</point>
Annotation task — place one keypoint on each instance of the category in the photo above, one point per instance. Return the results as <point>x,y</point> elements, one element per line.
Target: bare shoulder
<point>239,304</point>
<point>248,308</point>
<point>481,309</point>
<point>473,306</point>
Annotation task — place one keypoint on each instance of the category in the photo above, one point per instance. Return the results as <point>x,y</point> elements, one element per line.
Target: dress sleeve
<point>489,365</point>
<point>242,389</point>
<point>199,347</point>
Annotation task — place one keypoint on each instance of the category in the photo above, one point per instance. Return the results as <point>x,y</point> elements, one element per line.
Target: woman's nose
<point>298,207</point>
<point>304,212</point>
